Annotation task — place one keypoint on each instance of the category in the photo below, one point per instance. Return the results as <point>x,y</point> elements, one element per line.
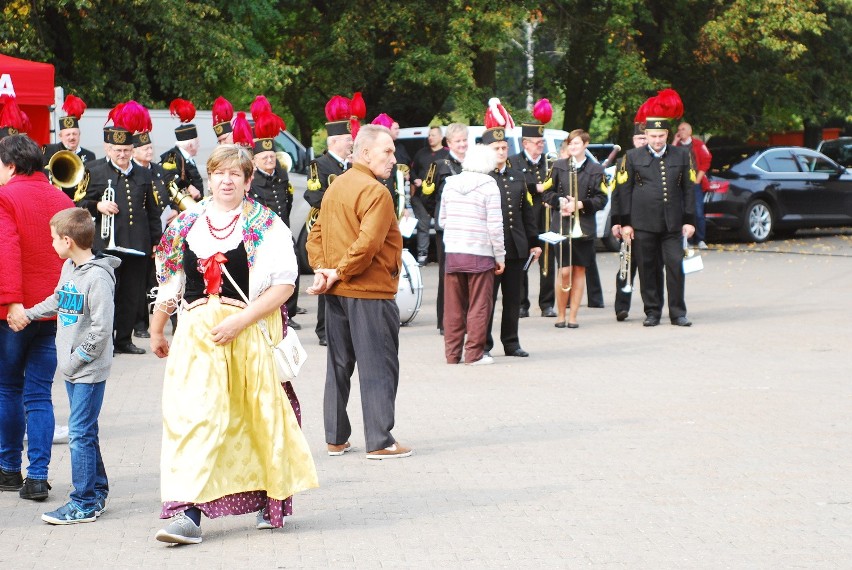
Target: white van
<point>414,138</point>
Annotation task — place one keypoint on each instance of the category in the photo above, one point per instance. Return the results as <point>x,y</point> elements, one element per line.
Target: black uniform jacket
<point>519,228</point>
<point>273,191</point>
<point>590,191</point>
<point>444,168</point>
<point>160,178</point>
<point>326,166</point>
<point>137,224</point>
<point>655,194</point>
<point>186,171</point>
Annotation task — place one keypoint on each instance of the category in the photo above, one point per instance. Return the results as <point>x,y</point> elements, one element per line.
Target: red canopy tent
<point>31,83</point>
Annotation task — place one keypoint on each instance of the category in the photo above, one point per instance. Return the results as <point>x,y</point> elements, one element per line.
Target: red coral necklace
<point>229,227</point>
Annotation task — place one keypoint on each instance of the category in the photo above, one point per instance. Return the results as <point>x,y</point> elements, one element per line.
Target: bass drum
<point>409,293</point>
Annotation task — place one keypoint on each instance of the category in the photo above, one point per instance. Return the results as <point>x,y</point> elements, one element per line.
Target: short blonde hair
<point>75,223</point>
<point>226,155</point>
<point>454,129</point>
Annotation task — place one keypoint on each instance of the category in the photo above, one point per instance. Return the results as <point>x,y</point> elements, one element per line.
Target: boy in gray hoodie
<point>84,303</point>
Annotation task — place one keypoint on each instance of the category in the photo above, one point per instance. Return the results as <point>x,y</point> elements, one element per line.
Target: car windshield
<point>724,158</point>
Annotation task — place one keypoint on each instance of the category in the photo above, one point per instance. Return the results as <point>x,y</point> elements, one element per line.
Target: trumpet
<point>401,189</point>
<point>625,256</point>
<point>429,182</point>
<point>108,220</point>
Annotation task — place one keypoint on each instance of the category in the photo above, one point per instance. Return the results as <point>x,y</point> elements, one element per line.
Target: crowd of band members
<point>142,194</point>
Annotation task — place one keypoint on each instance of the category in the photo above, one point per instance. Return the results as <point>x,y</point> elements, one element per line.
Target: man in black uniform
<point>136,229</point>
<point>323,170</point>
<point>271,187</point>
<point>69,137</point>
<point>423,160</point>
<point>181,157</point>
<point>533,166</point>
<point>657,206</point>
<point>431,195</point>
<point>520,236</point>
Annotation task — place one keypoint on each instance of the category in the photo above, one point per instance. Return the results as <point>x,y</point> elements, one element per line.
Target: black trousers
<point>546,296</point>
<point>320,328</point>
<point>510,283</point>
<point>658,250</point>
<point>131,280</point>
<point>622,298</point>
<point>594,291</point>
<point>293,301</point>
<point>366,332</point>
<point>439,243</point>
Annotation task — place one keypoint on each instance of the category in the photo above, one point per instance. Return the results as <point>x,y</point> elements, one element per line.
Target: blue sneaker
<point>100,506</point>
<point>69,514</point>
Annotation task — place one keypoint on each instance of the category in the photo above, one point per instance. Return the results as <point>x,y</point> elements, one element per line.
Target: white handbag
<point>692,261</point>
<point>289,354</point>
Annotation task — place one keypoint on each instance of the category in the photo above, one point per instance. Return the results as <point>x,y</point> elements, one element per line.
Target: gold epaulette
<point>529,198</point>
<point>290,188</point>
<point>547,184</point>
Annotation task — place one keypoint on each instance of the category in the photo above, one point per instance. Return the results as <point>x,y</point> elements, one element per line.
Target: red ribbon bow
<point>212,269</point>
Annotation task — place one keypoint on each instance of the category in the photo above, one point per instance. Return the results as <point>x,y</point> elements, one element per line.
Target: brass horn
<point>66,169</point>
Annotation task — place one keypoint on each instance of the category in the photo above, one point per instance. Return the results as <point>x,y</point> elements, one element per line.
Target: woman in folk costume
<point>231,440</point>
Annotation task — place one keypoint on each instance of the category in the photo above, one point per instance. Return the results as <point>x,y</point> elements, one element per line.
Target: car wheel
<point>302,253</point>
<point>758,222</point>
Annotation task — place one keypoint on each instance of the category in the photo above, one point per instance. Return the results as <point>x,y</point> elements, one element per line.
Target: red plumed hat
<point>667,105</point>
<point>74,107</point>
<point>642,113</point>
<point>337,109</point>
<point>359,112</point>
<point>383,119</point>
<point>223,111</point>
<point>242,130</point>
<point>268,125</point>
<point>259,106</point>
<point>543,111</point>
<point>11,117</point>
<point>497,116</point>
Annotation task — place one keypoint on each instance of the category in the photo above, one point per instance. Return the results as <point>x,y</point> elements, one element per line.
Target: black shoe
<point>441,331</point>
<point>10,480</point>
<point>301,311</point>
<point>35,489</point>
<point>560,324</point>
<point>621,315</point>
<point>524,313</point>
<point>141,333</point>
<point>572,325</point>
<point>296,326</point>
<point>682,322</point>
<point>520,352</point>
<point>548,312</point>
<point>128,348</point>
<point>596,305</point>
<point>323,342</point>
<point>651,321</point>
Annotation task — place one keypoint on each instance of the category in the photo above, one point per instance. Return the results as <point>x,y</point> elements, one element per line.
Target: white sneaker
<point>262,523</point>
<point>702,245</point>
<point>483,361</point>
<point>60,434</point>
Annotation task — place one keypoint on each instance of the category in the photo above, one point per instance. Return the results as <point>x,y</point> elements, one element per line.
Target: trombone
<point>549,159</point>
<point>108,220</point>
<point>576,231</point>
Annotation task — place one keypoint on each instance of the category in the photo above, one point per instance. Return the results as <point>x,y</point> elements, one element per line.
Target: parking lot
<point>725,445</point>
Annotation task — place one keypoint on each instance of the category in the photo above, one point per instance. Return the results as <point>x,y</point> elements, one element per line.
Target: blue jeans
<point>87,468</point>
<point>700,224</point>
<point>27,365</point>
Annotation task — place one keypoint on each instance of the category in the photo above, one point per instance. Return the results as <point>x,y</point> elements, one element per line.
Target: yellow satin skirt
<point>228,426</point>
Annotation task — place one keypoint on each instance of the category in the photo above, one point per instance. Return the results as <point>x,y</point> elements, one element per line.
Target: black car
<point>763,191</point>
<point>838,150</point>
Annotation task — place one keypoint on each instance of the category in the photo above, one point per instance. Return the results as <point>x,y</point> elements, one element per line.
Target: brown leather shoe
<point>335,450</point>
<point>395,451</point>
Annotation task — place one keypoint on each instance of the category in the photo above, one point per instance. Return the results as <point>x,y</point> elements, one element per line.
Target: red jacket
<point>702,158</point>
<point>30,266</point>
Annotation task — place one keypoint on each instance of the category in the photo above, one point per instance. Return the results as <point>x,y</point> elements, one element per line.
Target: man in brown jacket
<point>355,249</point>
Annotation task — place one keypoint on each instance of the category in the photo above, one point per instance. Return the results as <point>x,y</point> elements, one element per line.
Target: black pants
<point>320,328</point>
<point>439,243</point>
<point>594,291</point>
<point>366,332</point>
<point>657,250</point>
<point>129,294</point>
<point>510,282</point>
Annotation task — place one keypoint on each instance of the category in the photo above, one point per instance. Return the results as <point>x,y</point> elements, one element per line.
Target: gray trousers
<point>365,331</point>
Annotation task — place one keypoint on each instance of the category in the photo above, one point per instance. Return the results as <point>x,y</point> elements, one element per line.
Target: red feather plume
<point>337,108</point>
<point>642,113</point>
<point>268,125</point>
<point>114,114</point>
<point>357,107</point>
<point>135,118</point>
<point>183,109</point>
<point>26,125</point>
<point>11,115</point>
<point>384,120</point>
<point>242,130</point>
<point>667,105</point>
<point>74,106</point>
<point>543,111</point>
<point>223,111</point>
<point>259,106</point>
